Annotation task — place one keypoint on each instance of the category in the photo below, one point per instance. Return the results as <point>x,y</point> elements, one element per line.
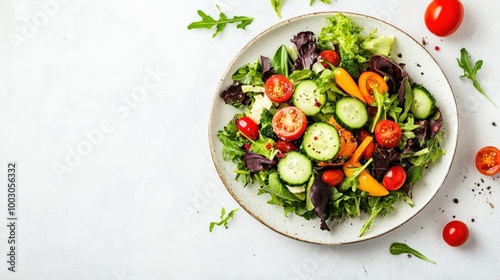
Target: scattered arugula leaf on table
<point>401,248</point>
<point>223,219</point>
<point>470,71</point>
<point>277,4</point>
<point>208,22</point>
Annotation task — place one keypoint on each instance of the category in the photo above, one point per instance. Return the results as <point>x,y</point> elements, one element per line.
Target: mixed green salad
<point>331,126</point>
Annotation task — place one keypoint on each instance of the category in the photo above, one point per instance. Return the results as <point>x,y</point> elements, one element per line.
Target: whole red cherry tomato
<point>455,233</point>
<point>394,178</point>
<point>329,57</point>
<point>248,127</point>
<point>284,146</point>
<point>443,17</point>
<point>333,177</point>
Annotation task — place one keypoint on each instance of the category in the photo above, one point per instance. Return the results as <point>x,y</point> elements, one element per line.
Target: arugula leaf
<point>381,113</point>
<point>401,248</point>
<point>324,1</point>
<point>280,195</point>
<point>223,219</point>
<point>277,4</point>
<point>380,206</point>
<point>281,61</point>
<point>353,181</point>
<point>408,100</point>
<point>277,188</point>
<point>391,104</point>
<point>232,142</point>
<point>264,146</point>
<point>431,153</point>
<point>471,72</point>
<point>421,159</point>
<point>232,149</point>
<point>208,22</point>
<point>407,130</point>
<point>249,74</point>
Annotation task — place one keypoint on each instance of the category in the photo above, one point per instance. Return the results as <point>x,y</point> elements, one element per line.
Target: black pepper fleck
<point>424,42</point>
<point>455,200</point>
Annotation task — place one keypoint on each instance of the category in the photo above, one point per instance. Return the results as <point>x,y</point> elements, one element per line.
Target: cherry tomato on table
<point>289,123</point>
<point>455,233</point>
<point>388,133</point>
<point>443,17</point>
<point>394,178</point>
<point>330,57</point>
<point>248,127</point>
<point>488,160</point>
<point>369,80</point>
<point>332,177</point>
<point>278,88</point>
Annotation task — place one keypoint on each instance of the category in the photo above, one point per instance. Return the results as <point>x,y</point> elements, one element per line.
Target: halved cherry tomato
<point>248,127</point>
<point>394,178</point>
<point>388,133</point>
<point>278,88</point>
<point>360,137</point>
<point>455,233</point>
<point>443,17</point>
<point>369,80</point>
<point>289,123</point>
<point>330,57</point>
<point>332,177</point>
<point>488,160</point>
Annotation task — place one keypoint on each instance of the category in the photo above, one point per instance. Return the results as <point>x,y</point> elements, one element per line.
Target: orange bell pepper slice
<point>366,181</point>
<point>369,80</point>
<point>347,83</point>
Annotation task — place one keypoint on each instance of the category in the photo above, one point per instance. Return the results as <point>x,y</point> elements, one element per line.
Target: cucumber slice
<point>321,141</point>
<point>351,113</point>
<point>423,103</point>
<point>308,98</point>
<point>295,168</point>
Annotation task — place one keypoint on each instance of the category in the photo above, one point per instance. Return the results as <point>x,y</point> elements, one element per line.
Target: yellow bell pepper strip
<point>366,182</point>
<point>347,83</point>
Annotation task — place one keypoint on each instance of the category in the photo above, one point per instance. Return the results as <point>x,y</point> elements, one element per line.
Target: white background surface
<point>118,183</point>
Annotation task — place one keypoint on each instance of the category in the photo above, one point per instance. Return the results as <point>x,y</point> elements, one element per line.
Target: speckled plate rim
<point>450,143</point>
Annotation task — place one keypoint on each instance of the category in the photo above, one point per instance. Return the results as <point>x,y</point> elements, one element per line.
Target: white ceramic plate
<point>421,67</point>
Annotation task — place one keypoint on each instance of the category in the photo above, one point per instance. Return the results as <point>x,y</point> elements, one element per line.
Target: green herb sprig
<point>208,22</point>
<point>277,4</point>
<point>223,219</point>
<point>401,248</point>
<point>470,72</point>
